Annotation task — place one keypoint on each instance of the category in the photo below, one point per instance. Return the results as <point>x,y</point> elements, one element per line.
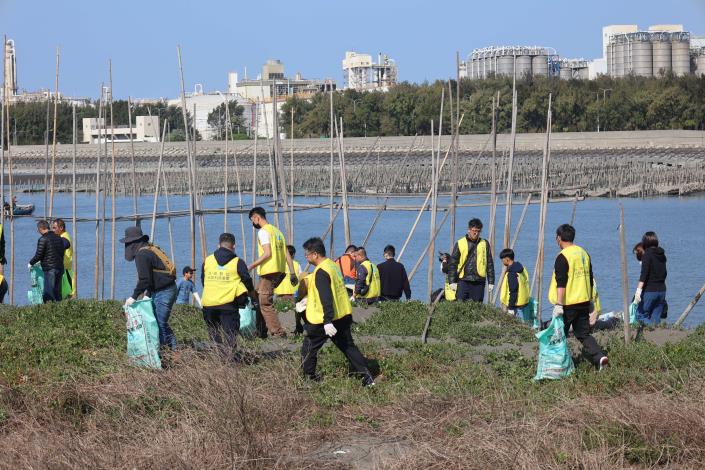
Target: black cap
<point>187,269</point>
<point>133,234</point>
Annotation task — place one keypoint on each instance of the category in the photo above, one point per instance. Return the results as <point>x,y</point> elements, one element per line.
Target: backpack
<point>169,267</point>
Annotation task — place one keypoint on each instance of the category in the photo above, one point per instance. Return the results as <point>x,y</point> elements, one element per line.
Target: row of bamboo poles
<point>501,176</point>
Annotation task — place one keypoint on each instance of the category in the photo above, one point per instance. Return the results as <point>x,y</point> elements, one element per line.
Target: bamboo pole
<point>272,171</point>
<point>199,190</point>
<point>168,218</point>
<point>12,212</point>
<point>510,172</point>
<point>688,309</point>
<point>152,228</point>
<point>254,177</point>
<point>46,160</point>
<point>330,213</point>
<point>521,221</point>
<point>192,226</point>
<point>454,177</point>
<point>225,173</point>
<point>74,239</point>
<point>434,205</point>
<point>573,209</point>
<point>493,188</point>
<point>53,144</point>
<point>135,207</point>
<point>291,179</point>
<point>102,218</point>
<point>279,161</point>
<point>2,149</point>
<point>237,182</point>
<point>97,195</point>
<point>425,250</point>
<point>625,275</point>
<point>112,188</point>
<point>343,181</point>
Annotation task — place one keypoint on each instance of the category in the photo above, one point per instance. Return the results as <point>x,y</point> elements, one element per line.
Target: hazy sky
<point>310,37</point>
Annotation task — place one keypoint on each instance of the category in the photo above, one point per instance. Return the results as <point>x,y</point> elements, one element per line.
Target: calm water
<point>678,222</point>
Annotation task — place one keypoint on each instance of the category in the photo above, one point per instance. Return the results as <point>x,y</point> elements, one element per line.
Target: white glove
<point>490,288</point>
<point>129,301</point>
<point>453,286</point>
<point>29,266</point>
<point>637,296</point>
<point>300,306</point>
<point>557,311</point>
<point>512,312</point>
<point>146,297</point>
<point>330,329</point>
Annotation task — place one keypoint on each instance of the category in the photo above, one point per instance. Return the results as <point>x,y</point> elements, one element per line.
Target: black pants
<point>470,291</point>
<point>389,298</point>
<point>315,339</point>
<point>222,324</point>
<point>579,318</point>
<point>3,290</point>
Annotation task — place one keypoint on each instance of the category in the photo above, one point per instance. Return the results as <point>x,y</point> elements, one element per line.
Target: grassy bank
<point>465,400</point>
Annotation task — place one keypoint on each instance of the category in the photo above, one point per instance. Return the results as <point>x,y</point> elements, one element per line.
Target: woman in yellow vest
<point>68,283</point>
<point>286,290</point>
<point>470,266</point>
<point>367,286</point>
<point>328,315</point>
<point>226,284</point>
<point>571,293</point>
<point>514,292</point>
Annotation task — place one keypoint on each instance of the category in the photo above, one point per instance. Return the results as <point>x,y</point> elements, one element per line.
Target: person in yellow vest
<point>448,291</point>
<point>328,315</point>
<point>68,284</point>
<point>571,293</point>
<point>3,282</point>
<point>471,266</point>
<point>514,291</point>
<point>271,267</point>
<point>286,290</point>
<point>368,287</point>
<point>227,286</point>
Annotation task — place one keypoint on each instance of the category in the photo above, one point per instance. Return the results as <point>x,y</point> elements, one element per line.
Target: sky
<point>311,37</point>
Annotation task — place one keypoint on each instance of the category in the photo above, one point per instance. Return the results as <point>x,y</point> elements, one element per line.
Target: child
<point>514,293</point>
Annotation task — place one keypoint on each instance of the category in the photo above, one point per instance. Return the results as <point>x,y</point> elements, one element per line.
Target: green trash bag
<point>142,335</point>
<point>529,313</point>
<point>35,295</point>
<point>66,287</point>
<point>555,361</point>
<point>632,314</point>
<point>248,321</point>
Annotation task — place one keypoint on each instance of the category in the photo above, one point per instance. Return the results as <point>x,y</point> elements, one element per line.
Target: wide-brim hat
<point>133,234</point>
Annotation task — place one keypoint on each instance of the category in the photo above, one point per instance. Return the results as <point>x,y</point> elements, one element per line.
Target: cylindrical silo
<point>661,55</point>
<point>523,66</point>
<point>505,65</point>
<point>583,73</point>
<point>610,61</point>
<point>641,60</point>
<point>486,67</point>
<point>700,65</point>
<point>680,55</point>
<point>566,72</point>
<point>618,59</point>
<point>539,65</point>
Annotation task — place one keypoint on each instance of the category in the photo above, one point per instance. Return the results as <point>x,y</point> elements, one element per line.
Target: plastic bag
<point>66,287</point>
<point>35,295</point>
<point>632,314</point>
<point>248,321</point>
<point>142,335</point>
<point>529,313</point>
<point>555,361</point>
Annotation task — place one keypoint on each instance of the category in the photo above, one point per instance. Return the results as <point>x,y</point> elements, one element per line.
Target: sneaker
<point>604,363</point>
<point>368,381</point>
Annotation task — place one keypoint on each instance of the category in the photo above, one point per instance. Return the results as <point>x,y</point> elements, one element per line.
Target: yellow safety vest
<point>277,261</point>
<point>596,298</point>
<point>578,290</point>
<point>341,302</point>
<point>448,293</point>
<point>221,284</point>
<point>286,287</point>
<point>68,254</point>
<point>372,280</point>
<point>522,295</point>
<point>463,246</point>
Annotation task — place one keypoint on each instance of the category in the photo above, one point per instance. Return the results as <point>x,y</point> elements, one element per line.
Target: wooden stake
<point>225,174</point>
<point>254,178</point>
<point>343,181</point>
<point>434,205</point>
<point>510,174</point>
<point>112,188</point>
<point>237,181</point>
<point>454,177</point>
<point>46,159</point>
<point>12,212</point>
<point>152,228</point>
<point>574,208</point>
<point>688,309</point>
<point>291,180</point>
<point>74,239</point>
<point>53,143</point>
<point>168,218</point>
<point>493,197</point>
<point>135,207</point>
<point>330,214</point>
<point>425,250</point>
<point>625,275</point>
<point>97,195</point>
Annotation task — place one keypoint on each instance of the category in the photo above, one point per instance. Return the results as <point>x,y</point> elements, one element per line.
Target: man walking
<point>68,284</point>
<point>571,292</point>
<point>367,285</point>
<point>328,315</point>
<point>185,286</point>
<point>392,277</point>
<point>226,284</point>
<point>156,276</point>
<point>471,266</point>
<point>50,252</point>
<point>271,267</point>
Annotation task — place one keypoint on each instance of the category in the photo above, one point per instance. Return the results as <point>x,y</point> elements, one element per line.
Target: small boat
<point>20,209</point>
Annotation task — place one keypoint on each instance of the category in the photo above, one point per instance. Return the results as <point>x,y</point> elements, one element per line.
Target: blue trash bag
<point>142,335</point>
<point>35,295</point>
<point>529,313</point>
<point>632,314</point>
<point>248,321</point>
<point>555,361</point>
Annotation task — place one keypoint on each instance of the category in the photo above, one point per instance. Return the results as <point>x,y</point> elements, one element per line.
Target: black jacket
<point>653,270</point>
<point>223,256</point>
<point>513,272</point>
<point>393,279</point>
<point>470,273</point>
<point>50,251</point>
<point>147,280</point>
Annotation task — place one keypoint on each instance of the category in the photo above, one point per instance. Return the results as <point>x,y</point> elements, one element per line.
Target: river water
<point>677,221</point>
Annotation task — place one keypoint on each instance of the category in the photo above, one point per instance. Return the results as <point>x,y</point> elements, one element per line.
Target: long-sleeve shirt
<point>361,286</point>
<point>148,280</point>
<point>653,270</point>
<point>50,251</point>
<point>513,272</point>
<point>325,293</point>
<point>560,267</point>
<point>393,279</point>
<point>470,273</point>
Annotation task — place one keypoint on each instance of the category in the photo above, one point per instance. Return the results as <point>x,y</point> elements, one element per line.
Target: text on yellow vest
<point>277,261</point>
<point>221,284</point>
<point>464,248</point>
<point>522,294</point>
<point>286,287</point>
<point>578,290</point>
<point>372,280</point>
<point>341,301</point>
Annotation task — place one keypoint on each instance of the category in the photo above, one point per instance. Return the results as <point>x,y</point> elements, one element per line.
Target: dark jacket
<point>393,279</point>
<point>653,270</point>
<point>148,280</point>
<point>50,251</point>
<point>361,286</point>
<point>223,256</point>
<point>3,260</point>
<point>513,272</point>
<point>470,273</point>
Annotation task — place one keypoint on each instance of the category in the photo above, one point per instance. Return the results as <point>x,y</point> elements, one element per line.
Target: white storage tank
<point>523,64</point>
<point>505,65</point>
<point>680,54</point>
<point>661,54</point>
<point>539,65</point>
<point>641,57</point>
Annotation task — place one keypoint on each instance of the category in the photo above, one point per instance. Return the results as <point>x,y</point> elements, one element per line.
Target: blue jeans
<point>651,307</point>
<point>162,301</point>
<point>52,285</point>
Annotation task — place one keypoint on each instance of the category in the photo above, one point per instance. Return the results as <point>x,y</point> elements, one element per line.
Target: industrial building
<point>509,61</point>
<point>146,129</point>
<point>660,50</point>
<point>10,61</point>
<point>364,75</point>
